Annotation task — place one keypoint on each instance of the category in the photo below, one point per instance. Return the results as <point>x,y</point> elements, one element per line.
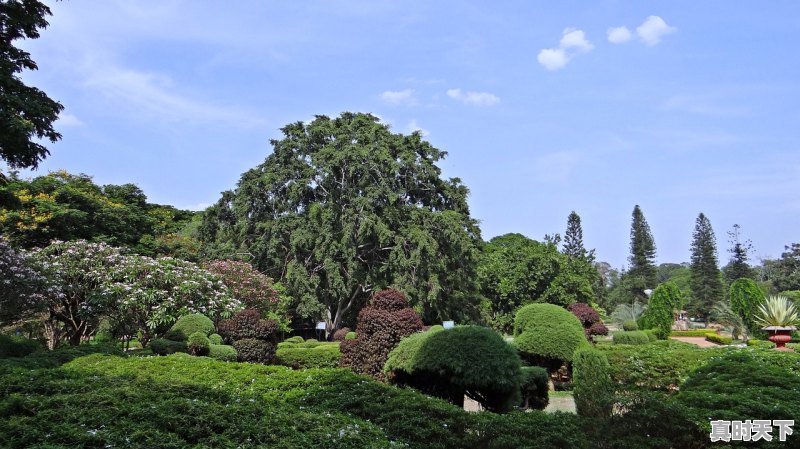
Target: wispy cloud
<point>702,106</point>
<point>399,97</point>
<point>473,98</point>
<point>573,41</point>
<point>653,29</point>
<point>619,35</point>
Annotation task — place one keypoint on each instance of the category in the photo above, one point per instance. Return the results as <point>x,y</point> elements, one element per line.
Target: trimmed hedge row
<point>719,339</point>
<point>692,333</point>
<point>322,355</point>
<point>631,338</point>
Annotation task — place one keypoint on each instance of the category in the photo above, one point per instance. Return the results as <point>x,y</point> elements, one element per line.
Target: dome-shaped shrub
<point>189,324</point>
<point>224,353</point>
<point>538,317</point>
<point>215,339</point>
<point>198,344</point>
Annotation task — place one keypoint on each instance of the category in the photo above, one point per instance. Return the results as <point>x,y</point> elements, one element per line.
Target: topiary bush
<point>248,324</point>
<point>718,339</point>
<point>225,353</point>
<point>189,324</point>
<point>534,387</point>
<point>12,346</point>
<point>547,335</point>
<point>255,351</point>
<point>295,339</point>
<point>630,325</point>
<point>466,360</point>
<point>630,338</point>
<point>593,387</point>
<point>324,355</point>
<point>198,344</point>
<point>765,344</point>
<point>340,334</point>
<point>651,334</point>
<point>350,336</point>
<point>162,346</point>
<point>381,325</point>
<point>215,339</point>
<point>745,297</point>
<point>659,315</point>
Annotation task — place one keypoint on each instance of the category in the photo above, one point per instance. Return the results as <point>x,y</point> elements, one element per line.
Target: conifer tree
<point>573,239</point>
<point>738,267</point>
<point>642,273</point>
<point>706,279</point>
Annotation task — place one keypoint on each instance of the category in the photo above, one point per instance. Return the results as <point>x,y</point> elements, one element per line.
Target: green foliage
<point>295,339</point>
<point>658,366</point>
<point>28,114</point>
<point>630,338</point>
<point>745,296</point>
<point>785,272</point>
<point>665,300</point>
<point>738,267</point>
<point>215,339</point>
<point>724,315</point>
<point>225,353</point>
<point>764,344</point>
<point>547,335</point>
<point>436,328</point>
<point>719,339</point>
<point>198,344</point>
<point>337,198</point>
<point>162,346</point>
<point>323,355</point>
<point>188,325</point>
<point>53,359</point>
<point>628,312</point>
<point>642,273</point>
<point>593,387</point>
<point>652,335</point>
<point>777,311</point>
<point>542,317</point>
<point>469,360</point>
<point>706,279</point>
<point>691,333</point>
<point>630,325</point>
<point>535,386</point>
<point>12,346</point>
<point>515,270</point>
<point>350,336</point>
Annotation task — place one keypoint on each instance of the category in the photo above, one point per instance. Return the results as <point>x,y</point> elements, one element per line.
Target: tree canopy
<point>26,113</point>
<point>706,278</point>
<point>343,207</point>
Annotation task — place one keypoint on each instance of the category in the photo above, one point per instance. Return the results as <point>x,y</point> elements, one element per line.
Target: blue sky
<point>543,107</point>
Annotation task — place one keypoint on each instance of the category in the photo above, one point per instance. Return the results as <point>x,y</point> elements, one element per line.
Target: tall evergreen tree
<point>573,239</point>
<point>642,273</point>
<point>706,279</point>
<point>738,267</point>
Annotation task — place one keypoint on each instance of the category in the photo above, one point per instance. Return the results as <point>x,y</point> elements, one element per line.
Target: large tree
<point>738,267</point>
<point>26,113</point>
<point>573,239</point>
<point>343,207</point>
<point>706,279</point>
<point>642,273</point>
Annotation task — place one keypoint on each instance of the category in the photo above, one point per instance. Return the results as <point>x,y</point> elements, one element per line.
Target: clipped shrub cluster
<point>12,346</point>
<point>340,334</point>
<point>534,386</point>
<point>381,325</point>
<point>253,337</point>
<point>630,338</point>
<point>215,339</point>
<point>547,335</point>
<point>593,387</point>
<point>651,334</point>
<point>466,360</point>
<point>193,334</point>
<point>691,333</point>
<point>162,346</point>
<point>765,344</point>
<point>198,344</point>
<point>308,354</point>
<point>188,325</point>
<point>630,325</point>
<point>589,318</point>
<point>659,315</point>
<point>718,339</point>
<point>224,353</point>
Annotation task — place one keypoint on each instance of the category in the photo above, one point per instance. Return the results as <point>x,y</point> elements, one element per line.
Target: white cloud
<point>68,120</point>
<point>399,97</point>
<point>552,58</point>
<point>653,29</point>
<point>619,35</point>
<point>557,58</point>
<point>414,126</point>
<point>575,38</point>
<point>473,98</point>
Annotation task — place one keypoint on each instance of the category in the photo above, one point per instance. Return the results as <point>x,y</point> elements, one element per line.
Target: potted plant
<point>779,316</point>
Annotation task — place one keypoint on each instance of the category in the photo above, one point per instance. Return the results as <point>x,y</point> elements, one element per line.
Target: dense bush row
<point>308,354</point>
<point>630,338</point>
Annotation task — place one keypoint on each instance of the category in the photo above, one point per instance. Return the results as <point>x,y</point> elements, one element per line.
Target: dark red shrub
<point>597,329</point>
<point>255,351</point>
<point>589,318</point>
<point>381,326</point>
<point>248,324</point>
<point>340,334</point>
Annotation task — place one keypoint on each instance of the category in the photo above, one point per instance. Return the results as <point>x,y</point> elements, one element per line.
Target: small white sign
<point>448,324</point>
<point>320,325</point>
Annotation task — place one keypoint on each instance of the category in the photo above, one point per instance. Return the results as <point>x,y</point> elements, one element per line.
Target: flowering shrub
<point>248,324</point>
<point>19,284</point>
<point>254,289</point>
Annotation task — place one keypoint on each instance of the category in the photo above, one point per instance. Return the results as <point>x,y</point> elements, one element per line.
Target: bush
<point>350,336</point>
<point>53,359</point>
<point>162,346</point>
<point>198,344</point>
<point>324,355</point>
<point>550,348</point>
<point>598,329</point>
<point>381,326</point>
<point>719,339</point>
<point>188,325</point>
<point>248,324</point>
<point>659,315</point>
<point>436,328</point>
<point>589,318</point>
<point>225,353</point>
<point>12,346</point>
<point>340,334</point>
<point>215,339</point>
<point>765,344</point>
<point>254,350</point>
<point>295,339</point>
<point>630,338</point>
<point>630,325</point>
<point>543,317</point>
<point>691,333</point>
<point>594,389</point>
<point>466,360</point>
<point>651,335</point>
<point>534,387</point>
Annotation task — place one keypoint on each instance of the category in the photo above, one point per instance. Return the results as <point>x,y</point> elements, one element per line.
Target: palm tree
<point>627,312</point>
<point>724,315</point>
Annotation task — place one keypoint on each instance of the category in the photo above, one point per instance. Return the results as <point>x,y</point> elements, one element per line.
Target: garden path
<point>699,341</point>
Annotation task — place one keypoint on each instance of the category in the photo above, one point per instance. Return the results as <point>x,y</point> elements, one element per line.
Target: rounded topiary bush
<point>295,339</point>
<point>651,334</point>
<point>593,387</point>
<point>547,335</point>
<point>534,387</point>
<point>215,339</point>
<point>324,355</point>
<point>162,346</point>
<point>630,325</point>
<point>225,353</point>
<point>630,338</point>
<point>436,328</point>
<point>350,336</point>
<point>198,344</point>
<point>189,324</point>
<point>340,334</point>
<point>538,317</point>
<point>255,351</point>
<point>466,360</point>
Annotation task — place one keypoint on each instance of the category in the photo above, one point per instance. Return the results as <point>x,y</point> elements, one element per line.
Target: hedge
<point>543,317</point>
<point>534,387</point>
<point>719,339</point>
<point>225,353</point>
<point>12,346</point>
<point>551,347</point>
<point>630,325</point>
<point>652,335</point>
<point>630,338</point>
<point>189,324</point>
<point>593,387</point>
<point>162,346</point>
<point>324,355</point>
<point>215,339</point>
<point>766,344</point>
<point>692,333</point>
<point>198,344</point>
